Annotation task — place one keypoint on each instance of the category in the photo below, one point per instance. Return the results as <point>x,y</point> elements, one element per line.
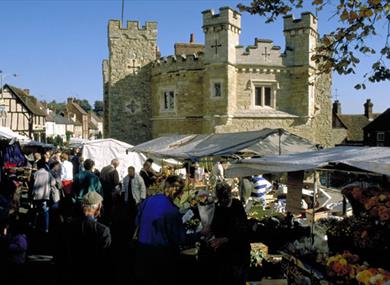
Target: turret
<point>301,39</point>
<point>222,32</point>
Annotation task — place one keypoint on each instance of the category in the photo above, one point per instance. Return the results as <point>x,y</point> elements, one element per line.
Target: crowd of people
<point>107,230</point>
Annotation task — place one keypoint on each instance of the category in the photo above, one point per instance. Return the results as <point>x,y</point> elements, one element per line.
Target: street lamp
<point>3,112</point>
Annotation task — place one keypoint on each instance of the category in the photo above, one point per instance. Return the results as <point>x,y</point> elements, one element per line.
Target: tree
<point>98,108</point>
<point>84,104</point>
<point>341,48</point>
<point>56,107</point>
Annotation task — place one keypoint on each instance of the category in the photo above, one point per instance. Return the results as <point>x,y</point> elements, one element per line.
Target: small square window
<point>380,136</point>
<point>168,101</point>
<point>217,89</point>
<point>263,96</point>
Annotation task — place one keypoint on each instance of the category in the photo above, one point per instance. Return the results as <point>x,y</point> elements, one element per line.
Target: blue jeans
<point>41,213</point>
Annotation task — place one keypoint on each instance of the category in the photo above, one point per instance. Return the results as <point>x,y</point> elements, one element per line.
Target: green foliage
<point>56,141</point>
<point>340,49</point>
<point>58,108</point>
<point>98,108</point>
<point>84,104</point>
<point>68,135</point>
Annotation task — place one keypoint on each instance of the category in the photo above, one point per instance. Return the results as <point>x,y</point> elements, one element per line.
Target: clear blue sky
<point>57,46</point>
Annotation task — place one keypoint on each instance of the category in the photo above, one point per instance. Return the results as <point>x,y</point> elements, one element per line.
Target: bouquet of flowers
<point>342,268</point>
<point>372,200</point>
<point>373,276</point>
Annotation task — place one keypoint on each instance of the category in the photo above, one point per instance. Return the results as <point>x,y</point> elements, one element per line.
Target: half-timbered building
<point>24,114</point>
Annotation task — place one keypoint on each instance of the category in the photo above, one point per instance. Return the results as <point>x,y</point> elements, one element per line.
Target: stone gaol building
<point>215,87</point>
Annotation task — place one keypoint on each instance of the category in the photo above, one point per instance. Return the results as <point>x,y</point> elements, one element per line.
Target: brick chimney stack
<point>192,38</point>
<point>337,107</point>
<point>27,91</point>
<point>368,109</point>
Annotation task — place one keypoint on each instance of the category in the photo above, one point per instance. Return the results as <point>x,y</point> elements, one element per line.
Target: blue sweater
<point>160,223</point>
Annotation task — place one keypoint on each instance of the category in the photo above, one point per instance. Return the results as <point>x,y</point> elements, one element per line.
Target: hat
<point>92,198</point>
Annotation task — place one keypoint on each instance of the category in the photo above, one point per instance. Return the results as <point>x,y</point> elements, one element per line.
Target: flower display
<point>343,267</point>
<point>373,276</point>
<point>373,201</point>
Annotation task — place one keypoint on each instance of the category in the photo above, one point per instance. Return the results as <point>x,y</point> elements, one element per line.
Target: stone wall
<point>137,81</point>
<point>132,49</point>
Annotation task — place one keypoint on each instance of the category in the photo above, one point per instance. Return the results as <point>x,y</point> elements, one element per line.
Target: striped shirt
<point>261,186</point>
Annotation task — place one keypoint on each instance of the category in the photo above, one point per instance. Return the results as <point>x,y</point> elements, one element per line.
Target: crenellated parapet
<point>262,52</point>
<point>226,16</point>
<point>116,30</point>
<point>176,63</point>
<point>307,21</point>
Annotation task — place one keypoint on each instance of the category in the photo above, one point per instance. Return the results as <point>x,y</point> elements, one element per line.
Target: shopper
<point>89,243</point>
<point>43,184</point>
<point>66,173</point>
<point>86,182</point>
<point>109,178</point>
<point>231,238</point>
<point>161,232</point>
<point>147,173</point>
<point>133,193</point>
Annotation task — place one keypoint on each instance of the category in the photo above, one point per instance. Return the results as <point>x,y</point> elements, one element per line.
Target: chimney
<point>192,38</point>
<point>337,107</point>
<point>27,91</point>
<point>70,100</point>
<point>368,109</point>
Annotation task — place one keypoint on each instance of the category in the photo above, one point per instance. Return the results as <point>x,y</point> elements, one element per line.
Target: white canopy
<point>104,150</point>
<point>10,134</point>
<point>373,159</point>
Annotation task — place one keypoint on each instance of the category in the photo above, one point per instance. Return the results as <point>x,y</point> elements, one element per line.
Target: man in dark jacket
<point>88,244</point>
<point>109,177</point>
<point>231,242</point>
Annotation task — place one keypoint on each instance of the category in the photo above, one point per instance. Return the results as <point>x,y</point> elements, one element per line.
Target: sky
<point>56,47</point>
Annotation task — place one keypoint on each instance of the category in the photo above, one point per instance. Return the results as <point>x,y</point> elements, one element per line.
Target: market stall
<point>339,250</point>
<point>104,150</point>
<point>260,143</point>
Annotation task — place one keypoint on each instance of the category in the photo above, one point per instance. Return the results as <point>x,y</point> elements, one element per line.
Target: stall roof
<point>262,142</point>
<point>372,159</point>
<point>10,134</point>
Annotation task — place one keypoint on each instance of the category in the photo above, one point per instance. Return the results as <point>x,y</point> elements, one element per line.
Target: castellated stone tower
<point>310,93</point>
<point>217,86</point>
<point>222,35</point>
<point>126,74</point>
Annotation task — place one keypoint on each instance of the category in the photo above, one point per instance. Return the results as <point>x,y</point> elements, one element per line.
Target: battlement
<point>116,25</point>
<point>226,16</point>
<point>175,63</point>
<point>261,52</point>
<point>307,20</point>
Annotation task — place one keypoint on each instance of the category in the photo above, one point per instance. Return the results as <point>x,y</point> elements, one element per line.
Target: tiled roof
<point>61,120</point>
<point>30,102</point>
<point>96,117</point>
<point>355,125</point>
<point>92,126</point>
<point>381,122</point>
<point>78,108</point>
